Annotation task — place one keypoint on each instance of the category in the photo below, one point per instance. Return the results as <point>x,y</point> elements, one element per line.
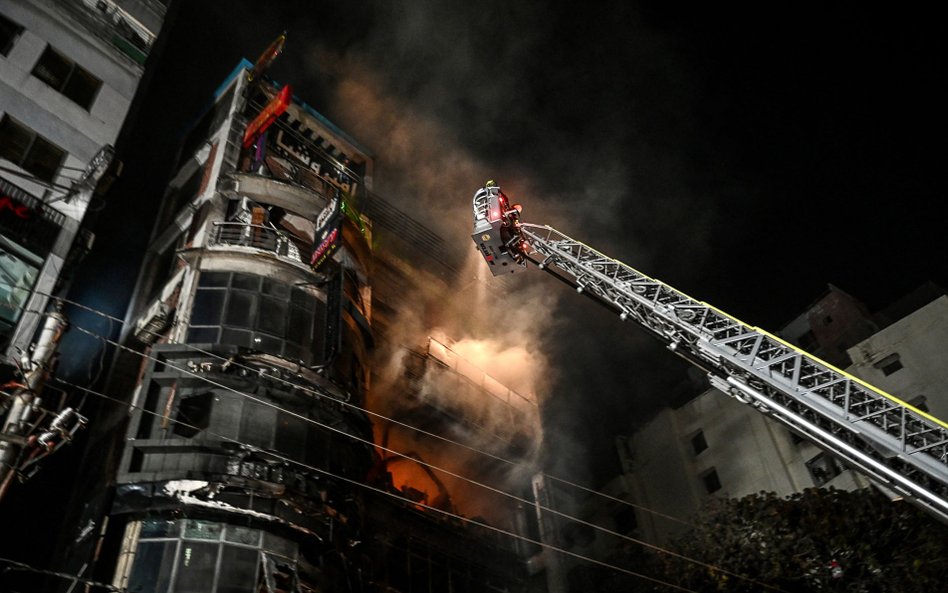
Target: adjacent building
<point>69,70</point>
<point>715,446</point>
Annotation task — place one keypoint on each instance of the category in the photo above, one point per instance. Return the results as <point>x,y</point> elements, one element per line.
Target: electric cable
<point>501,531</point>
<point>17,565</point>
<point>436,436</point>
<point>471,481</point>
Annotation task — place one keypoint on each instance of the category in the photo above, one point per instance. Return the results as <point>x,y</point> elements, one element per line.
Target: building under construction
<point>258,450</point>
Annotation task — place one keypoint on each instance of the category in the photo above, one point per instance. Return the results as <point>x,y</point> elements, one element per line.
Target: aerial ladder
<point>894,444</point>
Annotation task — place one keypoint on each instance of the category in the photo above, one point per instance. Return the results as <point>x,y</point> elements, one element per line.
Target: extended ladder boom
<point>891,442</point>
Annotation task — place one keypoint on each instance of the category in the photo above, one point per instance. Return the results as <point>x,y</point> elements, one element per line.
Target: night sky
<point>747,158</point>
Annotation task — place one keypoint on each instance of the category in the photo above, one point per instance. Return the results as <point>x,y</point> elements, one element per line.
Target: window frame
<point>63,86</point>
<point>10,32</point>
<point>24,160</point>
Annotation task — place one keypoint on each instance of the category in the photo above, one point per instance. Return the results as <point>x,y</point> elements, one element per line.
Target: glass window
<point>9,33</point>
<point>214,279</point>
<point>271,316</point>
<point>241,568</point>
<point>27,149</point>
<point>258,313</point>
<point>159,528</point>
<point>202,529</point>
<point>196,567</point>
<point>242,535</point>
<point>246,282</point>
<point>240,309</point>
<point>203,335</point>
<point>152,568</point>
<point>67,77</point>
<point>207,308</point>
<point>18,271</point>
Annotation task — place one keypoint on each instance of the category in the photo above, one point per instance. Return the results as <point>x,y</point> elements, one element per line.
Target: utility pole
<point>24,411</point>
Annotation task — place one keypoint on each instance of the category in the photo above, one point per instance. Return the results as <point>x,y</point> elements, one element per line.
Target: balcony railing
<point>110,22</point>
<point>258,237</point>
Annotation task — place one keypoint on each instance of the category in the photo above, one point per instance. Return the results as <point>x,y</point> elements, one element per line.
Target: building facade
<point>716,446</point>
<point>69,70</point>
<point>252,457</point>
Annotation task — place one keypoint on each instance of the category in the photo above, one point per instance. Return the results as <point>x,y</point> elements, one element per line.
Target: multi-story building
<point>69,70</point>
<point>248,461</point>
<point>715,446</point>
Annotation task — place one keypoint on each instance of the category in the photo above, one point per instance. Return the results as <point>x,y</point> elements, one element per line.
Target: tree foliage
<point>816,540</point>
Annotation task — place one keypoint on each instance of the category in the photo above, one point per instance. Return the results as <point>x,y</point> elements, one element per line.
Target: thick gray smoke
<point>449,95</point>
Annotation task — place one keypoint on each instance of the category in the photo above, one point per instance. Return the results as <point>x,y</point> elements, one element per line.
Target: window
<point>208,557</point>
<point>919,402</point>
<point>698,442</point>
<point>67,77</point>
<point>808,340</point>
<point>27,149</point>
<point>711,481</point>
<point>260,314</point>
<point>9,33</point>
<point>823,468</point>
<point>889,364</point>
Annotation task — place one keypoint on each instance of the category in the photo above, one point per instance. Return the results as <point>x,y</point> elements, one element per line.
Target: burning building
<point>266,449</point>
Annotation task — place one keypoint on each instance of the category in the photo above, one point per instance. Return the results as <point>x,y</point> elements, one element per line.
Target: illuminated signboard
<point>328,236</point>
<point>267,116</point>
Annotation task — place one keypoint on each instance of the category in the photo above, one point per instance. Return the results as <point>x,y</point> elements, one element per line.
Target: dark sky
<point>748,158</point>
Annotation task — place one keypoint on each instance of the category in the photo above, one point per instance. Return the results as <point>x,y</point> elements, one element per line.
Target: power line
<point>395,452</point>
<point>471,481</point>
<point>392,420</point>
<point>285,459</point>
<point>17,565</point>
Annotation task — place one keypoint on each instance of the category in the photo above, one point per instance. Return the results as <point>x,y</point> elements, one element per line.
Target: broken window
<point>194,414</point>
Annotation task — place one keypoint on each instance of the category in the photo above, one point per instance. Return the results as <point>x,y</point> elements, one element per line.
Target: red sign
<point>18,209</point>
<point>267,116</point>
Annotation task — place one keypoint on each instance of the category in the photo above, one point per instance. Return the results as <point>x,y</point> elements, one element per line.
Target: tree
<point>816,540</point>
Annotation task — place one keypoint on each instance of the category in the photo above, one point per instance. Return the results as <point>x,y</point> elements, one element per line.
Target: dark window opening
<point>711,481</point>
<point>823,468</point>
<point>919,402</point>
<point>9,33</point>
<point>698,442</point>
<point>807,340</point>
<point>194,414</point>
<point>27,149</point>
<point>75,82</point>
<point>889,364</point>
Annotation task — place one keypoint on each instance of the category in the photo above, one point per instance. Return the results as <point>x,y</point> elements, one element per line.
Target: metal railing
<point>110,22</point>
<point>257,237</point>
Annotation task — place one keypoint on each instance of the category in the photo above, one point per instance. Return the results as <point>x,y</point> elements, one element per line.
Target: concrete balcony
<point>257,238</point>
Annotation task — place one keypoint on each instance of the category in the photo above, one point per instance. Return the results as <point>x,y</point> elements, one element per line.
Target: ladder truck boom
<point>891,442</point>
